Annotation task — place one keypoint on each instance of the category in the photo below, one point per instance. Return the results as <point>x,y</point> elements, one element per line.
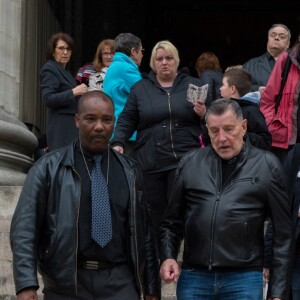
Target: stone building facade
<point>24,28</point>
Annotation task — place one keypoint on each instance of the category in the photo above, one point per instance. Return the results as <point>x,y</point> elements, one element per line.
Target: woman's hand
<point>119,149</point>
<point>80,90</point>
<point>200,108</point>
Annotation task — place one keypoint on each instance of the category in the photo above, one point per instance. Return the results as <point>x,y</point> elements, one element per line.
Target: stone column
<point>25,27</point>
<point>17,143</point>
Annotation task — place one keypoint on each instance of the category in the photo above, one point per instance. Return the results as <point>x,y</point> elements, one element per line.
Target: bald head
<point>97,95</point>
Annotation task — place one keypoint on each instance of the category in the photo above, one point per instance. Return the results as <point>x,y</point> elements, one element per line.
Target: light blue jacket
<point>121,75</point>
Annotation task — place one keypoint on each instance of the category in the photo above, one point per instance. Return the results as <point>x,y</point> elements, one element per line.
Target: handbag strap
<point>284,76</point>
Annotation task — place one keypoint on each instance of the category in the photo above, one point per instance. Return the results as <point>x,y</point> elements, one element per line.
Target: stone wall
<point>8,198</point>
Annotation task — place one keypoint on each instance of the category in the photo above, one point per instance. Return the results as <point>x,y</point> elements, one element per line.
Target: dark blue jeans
<point>296,281</point>
<point>210,285</point>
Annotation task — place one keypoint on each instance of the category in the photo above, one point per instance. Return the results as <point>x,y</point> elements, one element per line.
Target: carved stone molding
<point>17,144</point>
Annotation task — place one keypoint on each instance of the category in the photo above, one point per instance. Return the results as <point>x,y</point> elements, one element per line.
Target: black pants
<point>280,153</point>
<point>115,283</point>
<point>158,187</point>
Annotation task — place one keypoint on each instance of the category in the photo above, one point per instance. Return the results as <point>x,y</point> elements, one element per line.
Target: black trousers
<point>158,187</point>
<point>115,283</point>
<point>281,153</point>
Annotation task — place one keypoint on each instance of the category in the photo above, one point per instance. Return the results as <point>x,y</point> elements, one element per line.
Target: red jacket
<point>280,125</point>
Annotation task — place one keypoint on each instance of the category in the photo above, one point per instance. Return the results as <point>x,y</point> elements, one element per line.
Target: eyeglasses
<point>142,50</point>
<point>281,36</point>
<point>63,49</point>
<point>108,53</point>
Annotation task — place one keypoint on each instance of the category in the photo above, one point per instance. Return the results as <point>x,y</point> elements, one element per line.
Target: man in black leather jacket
<point>220,200</point>
<point>51,226</point>
<point>261,67</point>
<point>292,169</point>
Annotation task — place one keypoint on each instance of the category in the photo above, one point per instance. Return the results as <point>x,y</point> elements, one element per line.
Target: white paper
<point>196,93</point>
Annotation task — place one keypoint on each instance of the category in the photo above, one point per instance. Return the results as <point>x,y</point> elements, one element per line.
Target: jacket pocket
<point>278,129</point>
<point>48,241</point>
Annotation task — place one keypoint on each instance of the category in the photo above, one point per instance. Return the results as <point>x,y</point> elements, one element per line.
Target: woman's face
<point>62,52</point>
<point>164,64</point>
<point>107,56</point>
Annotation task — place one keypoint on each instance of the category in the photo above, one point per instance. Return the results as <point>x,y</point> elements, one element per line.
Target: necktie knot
<point>97,158</point>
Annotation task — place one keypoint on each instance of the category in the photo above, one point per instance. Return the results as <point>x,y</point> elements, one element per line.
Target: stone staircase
<point>168,291</point>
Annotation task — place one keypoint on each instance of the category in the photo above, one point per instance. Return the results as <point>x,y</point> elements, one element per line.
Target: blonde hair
<point>168,47</point>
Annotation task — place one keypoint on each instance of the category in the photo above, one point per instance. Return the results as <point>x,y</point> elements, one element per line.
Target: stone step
<point>168,291</point>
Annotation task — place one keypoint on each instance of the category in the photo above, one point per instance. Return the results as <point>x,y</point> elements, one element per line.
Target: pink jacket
<point>280,125</point>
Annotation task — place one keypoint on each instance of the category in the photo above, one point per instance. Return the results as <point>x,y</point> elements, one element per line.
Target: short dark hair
<point>220,106</point>
<point>94,94</point>
<point>52,43</point>
<point>124,42</point>
<point>240,78</point>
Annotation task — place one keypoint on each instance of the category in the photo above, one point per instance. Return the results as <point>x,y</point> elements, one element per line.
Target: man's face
<point>95,120</point>
<point>278,40</point>
<point>226,133</point>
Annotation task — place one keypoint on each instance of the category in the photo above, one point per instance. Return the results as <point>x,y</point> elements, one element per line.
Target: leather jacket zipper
<point>254,180</point>
<point>246,239</point>
<point>213,230</point>
<point>77,220</point>
<point>170,126</point>
<point>135,241</point>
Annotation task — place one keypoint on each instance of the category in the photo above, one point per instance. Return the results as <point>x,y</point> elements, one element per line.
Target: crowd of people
<point>134,169</point>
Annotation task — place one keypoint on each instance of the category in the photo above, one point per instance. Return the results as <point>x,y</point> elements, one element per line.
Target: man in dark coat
<point>56,225</point>
<point>261,67</point>
<point>292,169</point>
<point>218,204</point>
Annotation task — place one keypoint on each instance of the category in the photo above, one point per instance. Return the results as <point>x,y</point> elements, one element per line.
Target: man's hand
<point>27,294</point>
<point>200,108</point>
<point>261,89</point>
<point>169,271</point>
<point>266,274</point>
<point>119,149</point>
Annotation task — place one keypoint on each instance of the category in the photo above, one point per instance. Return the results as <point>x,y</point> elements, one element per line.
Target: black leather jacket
<point>223,225</point>
<point>44,231</point>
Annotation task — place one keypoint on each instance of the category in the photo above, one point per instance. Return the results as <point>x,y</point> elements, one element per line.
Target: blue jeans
<point>296,281</point>
<point>196,284</point>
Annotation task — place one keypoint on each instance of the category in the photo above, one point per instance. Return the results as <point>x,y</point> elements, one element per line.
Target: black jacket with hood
<point>167,127</point>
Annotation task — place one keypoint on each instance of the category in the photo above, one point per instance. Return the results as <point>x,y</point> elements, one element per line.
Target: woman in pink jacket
<point>284,125</point>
